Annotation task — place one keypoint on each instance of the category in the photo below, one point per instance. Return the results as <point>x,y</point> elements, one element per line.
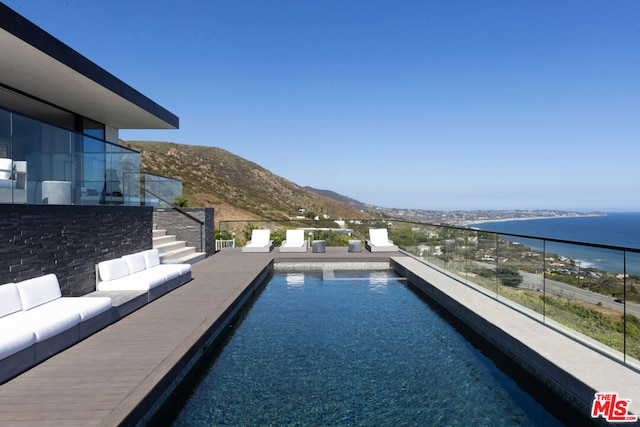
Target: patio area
<point>116,375</point>
<point>119,375</point>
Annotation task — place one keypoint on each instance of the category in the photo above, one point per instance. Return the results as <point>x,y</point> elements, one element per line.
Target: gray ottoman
<point>318,246</point>
<point>355,246</point>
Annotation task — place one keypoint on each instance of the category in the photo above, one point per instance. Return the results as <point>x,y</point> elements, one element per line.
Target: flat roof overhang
<point>39,65</point>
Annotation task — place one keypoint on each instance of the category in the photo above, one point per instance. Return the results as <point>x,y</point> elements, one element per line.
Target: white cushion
<point>135,262</point>
<point>140,281</point>
<point>10,301</point>
<point>295,238</point>
<point>259,238</point>
<point>38,291</point>
<point>85,307</point>
<point>6,168</point>
<point>113,269</point>
<point>128,283</point>
<point>14,340</point>
<point>151,257</point>
<point>379,237</point>
<point>152,276</point>
<point>171,271</point>
<point>44,321</point>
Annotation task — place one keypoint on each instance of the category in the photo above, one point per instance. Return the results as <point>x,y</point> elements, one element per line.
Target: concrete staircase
<point>174,251</point>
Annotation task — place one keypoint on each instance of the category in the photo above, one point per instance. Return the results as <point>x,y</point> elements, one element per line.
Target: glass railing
<point>44,164</point>
<point>586,291</point>
<point>151,190</point>
<point>161,191</point>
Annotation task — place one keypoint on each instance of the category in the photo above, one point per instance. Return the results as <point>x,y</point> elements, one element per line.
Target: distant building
<point>60,116</point>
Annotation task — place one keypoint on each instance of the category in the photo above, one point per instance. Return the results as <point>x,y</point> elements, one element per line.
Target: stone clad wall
<point>185,228</point>
<point>69,241</point>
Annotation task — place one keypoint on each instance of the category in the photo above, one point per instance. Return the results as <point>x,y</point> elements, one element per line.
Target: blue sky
<point>441,105</point>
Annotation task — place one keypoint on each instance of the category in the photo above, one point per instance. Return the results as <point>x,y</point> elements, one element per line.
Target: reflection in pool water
<point>355,349</point>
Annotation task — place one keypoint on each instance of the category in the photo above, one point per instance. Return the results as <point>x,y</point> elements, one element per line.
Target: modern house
<point>60,115</point>
<point>70,195</point>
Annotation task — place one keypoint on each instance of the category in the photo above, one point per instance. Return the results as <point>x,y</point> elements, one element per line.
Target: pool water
<point>352,348</point>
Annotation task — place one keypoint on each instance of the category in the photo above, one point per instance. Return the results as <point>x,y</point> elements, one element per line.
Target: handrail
<point>456,227</point>
<point>171,204</point>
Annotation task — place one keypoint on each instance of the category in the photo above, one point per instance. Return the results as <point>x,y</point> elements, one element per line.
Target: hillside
<point>237,188</point>
<point>342,199</point>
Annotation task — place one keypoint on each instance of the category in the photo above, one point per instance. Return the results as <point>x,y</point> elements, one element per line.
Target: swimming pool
<point>352,348</point>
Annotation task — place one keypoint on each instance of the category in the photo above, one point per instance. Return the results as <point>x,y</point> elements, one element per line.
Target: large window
<point>41,163</point>
<point>91,128</point>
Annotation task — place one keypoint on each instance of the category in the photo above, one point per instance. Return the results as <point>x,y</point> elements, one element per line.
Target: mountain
<point>342,199</point>
<point>237,188</point>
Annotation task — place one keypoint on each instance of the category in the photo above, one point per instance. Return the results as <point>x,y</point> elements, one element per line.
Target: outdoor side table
<point>355,246</point>
<point>318,246</point>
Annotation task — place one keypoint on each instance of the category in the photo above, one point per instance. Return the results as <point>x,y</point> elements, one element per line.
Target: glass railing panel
<point>405,235</point>
<point>429,246</point>
<point>483,263</point>
<point>470,255</point>
<point>5,134</point>
<point>583,291</point>
<point>90,164</point>
<point>47,153</point>
<point>133,188</point>
<point>631,307</point>
<point>455,248</point>
<point>160,191</point>
<point>520,274</point>
<point>121,161</point>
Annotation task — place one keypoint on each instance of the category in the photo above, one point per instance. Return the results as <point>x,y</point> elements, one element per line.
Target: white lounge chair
<point>379,241</point>
<point>260,241</point>
<point>295,242</point>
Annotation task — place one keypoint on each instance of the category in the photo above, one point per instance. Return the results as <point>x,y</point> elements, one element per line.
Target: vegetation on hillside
<point>236,187</point>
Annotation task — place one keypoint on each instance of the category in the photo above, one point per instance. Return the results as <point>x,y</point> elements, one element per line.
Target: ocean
<point>614,229</point>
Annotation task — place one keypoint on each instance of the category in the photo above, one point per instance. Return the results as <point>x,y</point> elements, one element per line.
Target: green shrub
<point>509,276</point>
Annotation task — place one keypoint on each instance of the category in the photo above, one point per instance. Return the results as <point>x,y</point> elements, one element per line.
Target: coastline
<point>579,239</point>
<point>470,223</point>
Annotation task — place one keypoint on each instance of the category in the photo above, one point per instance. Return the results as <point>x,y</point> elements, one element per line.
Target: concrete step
<point>177,252</point>
<point>194,257</point>
<point>163,239</point>
<point>159,233</point>
<point>173,251</point>
<point>171,246</point>
<point>191,258</point>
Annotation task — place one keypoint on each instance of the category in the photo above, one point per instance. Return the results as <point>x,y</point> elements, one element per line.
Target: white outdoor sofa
<point>260,241</point>
<point>379,241</point>
<point>36,322</point>
<point>141,271</point>
<point>295,242</point>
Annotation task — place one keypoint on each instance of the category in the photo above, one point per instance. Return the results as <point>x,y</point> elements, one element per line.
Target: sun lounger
<point>379,241</point>
<point>295,242</point>
<point>260,241</point>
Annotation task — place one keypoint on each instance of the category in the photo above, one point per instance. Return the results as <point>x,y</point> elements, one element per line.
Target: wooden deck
<point>116,375</point>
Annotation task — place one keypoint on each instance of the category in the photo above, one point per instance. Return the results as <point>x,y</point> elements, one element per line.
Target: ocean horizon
<point>615,229</point>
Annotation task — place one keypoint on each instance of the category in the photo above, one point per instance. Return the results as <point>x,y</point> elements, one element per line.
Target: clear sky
<point>449,104</point>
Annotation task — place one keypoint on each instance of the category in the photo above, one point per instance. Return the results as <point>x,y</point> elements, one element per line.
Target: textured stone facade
<point>199,236</point>
<point>69,241</point>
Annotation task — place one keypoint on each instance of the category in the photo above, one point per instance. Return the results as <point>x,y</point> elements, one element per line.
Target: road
<point>534,282</point>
